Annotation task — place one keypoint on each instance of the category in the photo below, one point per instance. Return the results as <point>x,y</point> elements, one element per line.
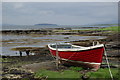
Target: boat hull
<point>89,58</point>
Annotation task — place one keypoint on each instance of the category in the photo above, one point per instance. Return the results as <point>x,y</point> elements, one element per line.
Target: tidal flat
<point>40,64</point>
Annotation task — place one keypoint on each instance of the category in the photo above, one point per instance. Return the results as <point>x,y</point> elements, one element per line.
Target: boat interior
<point>67,46</point>
<point>70,46</point>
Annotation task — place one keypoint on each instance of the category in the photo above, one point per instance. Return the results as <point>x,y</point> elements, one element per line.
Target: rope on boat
<point>108,63</point>
<point>71,56</point>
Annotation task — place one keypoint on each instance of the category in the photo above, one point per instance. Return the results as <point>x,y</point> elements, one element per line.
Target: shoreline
<point>83,31</point>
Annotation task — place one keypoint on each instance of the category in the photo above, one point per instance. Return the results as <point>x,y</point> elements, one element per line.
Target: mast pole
<point>57,57</point>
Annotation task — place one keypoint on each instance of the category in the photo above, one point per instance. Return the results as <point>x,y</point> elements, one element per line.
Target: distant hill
<point>46,24</point>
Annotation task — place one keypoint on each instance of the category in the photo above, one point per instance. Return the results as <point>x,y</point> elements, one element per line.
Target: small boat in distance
<point>87,57</point>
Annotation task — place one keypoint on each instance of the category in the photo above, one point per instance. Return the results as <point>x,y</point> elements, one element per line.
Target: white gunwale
<point>78,48</point>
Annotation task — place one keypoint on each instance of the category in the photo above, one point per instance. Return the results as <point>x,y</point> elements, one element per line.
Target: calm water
<point>29,27</point>
<point>13,41</point>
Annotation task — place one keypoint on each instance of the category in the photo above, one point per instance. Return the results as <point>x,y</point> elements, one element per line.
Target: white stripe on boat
<point>79,61</point>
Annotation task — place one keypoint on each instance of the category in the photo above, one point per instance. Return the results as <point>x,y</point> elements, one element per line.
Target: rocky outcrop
<point>27,31</point>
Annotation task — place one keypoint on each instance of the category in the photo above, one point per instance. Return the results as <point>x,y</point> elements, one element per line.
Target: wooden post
<point>20,53</point>
<point>57,56</point>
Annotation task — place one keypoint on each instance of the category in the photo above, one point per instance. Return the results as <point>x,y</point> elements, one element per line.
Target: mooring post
<point>27,52</point>
<point>20,53</point>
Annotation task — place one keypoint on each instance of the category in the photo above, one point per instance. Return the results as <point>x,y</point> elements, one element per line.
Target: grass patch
<point>73,74</point>
<point>57,75</point>
<point>25,79</point>
<point>104,74</point>
<point>113,28</point>
<point>76,68</point>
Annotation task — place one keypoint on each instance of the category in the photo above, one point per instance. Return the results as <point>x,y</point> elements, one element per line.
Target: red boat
<point>87,57</point>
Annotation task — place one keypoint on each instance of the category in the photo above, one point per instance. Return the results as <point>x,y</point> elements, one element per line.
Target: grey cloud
<point>60,12</point>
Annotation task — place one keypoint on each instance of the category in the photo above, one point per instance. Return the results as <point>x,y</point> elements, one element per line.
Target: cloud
<point>0,15</point>
<point>60,0</point>
<point>18,5</point>
<point>76,13</point>
<point>48,12</point>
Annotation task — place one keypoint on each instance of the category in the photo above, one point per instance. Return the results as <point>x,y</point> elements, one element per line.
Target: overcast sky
<point>63,13</point>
